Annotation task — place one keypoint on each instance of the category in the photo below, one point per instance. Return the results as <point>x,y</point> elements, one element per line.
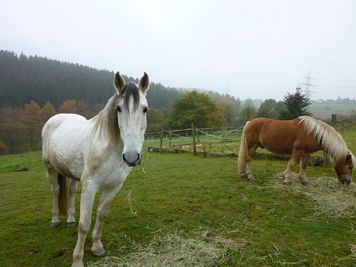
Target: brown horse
<point>298,137</point>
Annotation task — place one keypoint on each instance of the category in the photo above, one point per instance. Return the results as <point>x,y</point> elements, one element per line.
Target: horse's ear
<point>144,83</point>
<point>349,159</point>
<point>119,83</point>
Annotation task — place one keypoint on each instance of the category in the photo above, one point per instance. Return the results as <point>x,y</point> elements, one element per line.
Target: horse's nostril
<point>132,158</point>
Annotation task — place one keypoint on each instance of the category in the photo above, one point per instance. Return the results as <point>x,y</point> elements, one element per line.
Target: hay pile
<point>200,249</point>
<point>331,198</point>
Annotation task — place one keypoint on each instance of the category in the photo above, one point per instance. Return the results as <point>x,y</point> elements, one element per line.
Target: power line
<point>308,83</point>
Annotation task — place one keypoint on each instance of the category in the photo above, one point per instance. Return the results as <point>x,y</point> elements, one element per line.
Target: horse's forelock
<point>131,89</point>
<point>107,118</point>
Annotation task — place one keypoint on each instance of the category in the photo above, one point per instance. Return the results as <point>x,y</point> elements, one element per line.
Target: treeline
<point>33,88</point>
<point>21,127</point>
<point>25,78</point>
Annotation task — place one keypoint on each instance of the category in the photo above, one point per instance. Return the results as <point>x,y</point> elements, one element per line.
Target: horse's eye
<point>118,108</point>
<point>145,109</point>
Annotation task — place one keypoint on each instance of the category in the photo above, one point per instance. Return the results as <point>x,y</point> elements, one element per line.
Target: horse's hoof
<point>287,182</point>
<point>304,182</point>
<point>55,224</point>
<point>251,177</point>
<point>100,253</point>
<point>71,224</point>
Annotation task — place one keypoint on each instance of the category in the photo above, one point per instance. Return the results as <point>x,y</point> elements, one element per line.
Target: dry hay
<point>331,198</point>
<point>202,248</point>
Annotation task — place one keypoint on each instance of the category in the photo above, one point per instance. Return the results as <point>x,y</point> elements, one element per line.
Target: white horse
<point>99,152</point>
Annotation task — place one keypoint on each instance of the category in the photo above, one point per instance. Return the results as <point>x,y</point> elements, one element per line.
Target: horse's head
<point>131,111</point>
<point>344,168</point>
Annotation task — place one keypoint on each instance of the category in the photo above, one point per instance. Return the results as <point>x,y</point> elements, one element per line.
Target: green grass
<point>173,193</point>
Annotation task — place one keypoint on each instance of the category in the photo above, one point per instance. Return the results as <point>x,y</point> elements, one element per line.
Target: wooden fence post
<point>194,143</point>
<point>161,142</point>
<point>170,138</point>
<point>333,120</point>
<point>197,135</point>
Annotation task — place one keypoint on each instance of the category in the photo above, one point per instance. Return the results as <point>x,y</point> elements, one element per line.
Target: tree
<point>297,104</point>
<point>248,111</point>
<point>193,107</point>
<point>69,106</point>
<point>13,131</point>
<point>225,112</point>
<point>47,111</point>
<point>32,121</point>
<point>155,120</point>
<point>3,148</point>
<point>268,109</point>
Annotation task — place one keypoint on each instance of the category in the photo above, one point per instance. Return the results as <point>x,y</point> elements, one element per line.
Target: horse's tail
<point>62,196</point>
<point>242,152</point>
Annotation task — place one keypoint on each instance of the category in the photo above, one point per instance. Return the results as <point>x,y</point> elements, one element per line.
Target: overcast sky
<point>249,49</point>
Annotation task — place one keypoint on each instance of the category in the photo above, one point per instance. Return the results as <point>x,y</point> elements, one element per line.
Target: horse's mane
<point>106,119</point>
<point>329,139</point>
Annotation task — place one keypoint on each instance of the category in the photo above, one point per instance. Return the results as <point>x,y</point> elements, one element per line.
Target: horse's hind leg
<point>53,179</point>
<point>71,208</point>
<point>303,166</point>
<point>248,171</point>
<point>105,201</point>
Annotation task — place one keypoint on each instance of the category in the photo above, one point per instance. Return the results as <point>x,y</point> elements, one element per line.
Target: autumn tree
<point>225,112</point>
<point>47,111</point>
<point>248,111</point>
<point>3,148</point>
<point>32,121</point>
<point>13,130</point>
<point>69,106</point>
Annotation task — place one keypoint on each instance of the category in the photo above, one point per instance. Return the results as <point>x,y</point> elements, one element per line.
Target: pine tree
<point>297,104</point>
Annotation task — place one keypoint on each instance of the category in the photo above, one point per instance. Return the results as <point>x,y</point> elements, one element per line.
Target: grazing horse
<point>298,137</point>
<point>99,152</point>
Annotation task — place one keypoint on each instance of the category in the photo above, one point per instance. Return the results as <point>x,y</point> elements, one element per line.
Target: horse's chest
<point>112,172</point>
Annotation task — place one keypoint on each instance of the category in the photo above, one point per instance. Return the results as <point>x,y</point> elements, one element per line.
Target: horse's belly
<point>278,145</point>
<point>68,165</point>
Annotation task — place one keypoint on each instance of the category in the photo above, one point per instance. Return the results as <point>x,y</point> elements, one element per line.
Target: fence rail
<point>196,140</point>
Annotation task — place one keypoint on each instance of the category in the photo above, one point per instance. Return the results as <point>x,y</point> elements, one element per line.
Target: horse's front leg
<point>105,200</point>
<point>295,158</point>
<point>87,196</point>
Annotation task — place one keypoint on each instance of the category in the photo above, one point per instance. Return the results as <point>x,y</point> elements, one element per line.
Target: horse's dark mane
<point>107,117</point>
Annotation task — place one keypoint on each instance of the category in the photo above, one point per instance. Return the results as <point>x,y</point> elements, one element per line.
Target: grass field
<point>181,195</point>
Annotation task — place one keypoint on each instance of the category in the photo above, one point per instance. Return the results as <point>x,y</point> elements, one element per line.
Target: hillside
<point>324,108</point>
<point>25,78</point>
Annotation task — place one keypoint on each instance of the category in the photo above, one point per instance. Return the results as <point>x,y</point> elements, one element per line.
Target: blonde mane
<point>329,139</point>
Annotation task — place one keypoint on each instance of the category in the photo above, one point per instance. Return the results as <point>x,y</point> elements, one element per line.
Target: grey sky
<point>249,49</point>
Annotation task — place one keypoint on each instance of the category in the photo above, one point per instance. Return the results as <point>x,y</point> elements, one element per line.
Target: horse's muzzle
<point>345,181</point>
<point>131,158</point>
